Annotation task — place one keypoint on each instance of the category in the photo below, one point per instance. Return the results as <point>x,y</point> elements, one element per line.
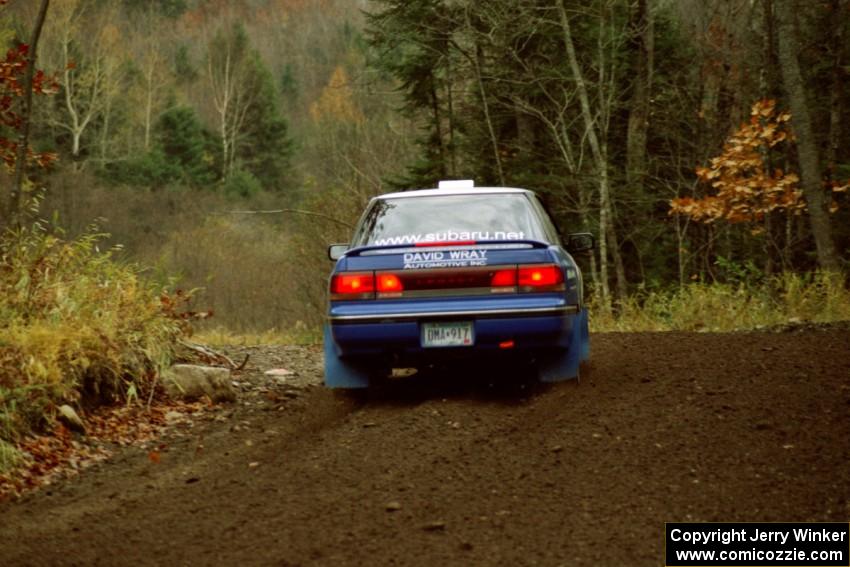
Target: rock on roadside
<point>69,417</point>
<point>191,382</point>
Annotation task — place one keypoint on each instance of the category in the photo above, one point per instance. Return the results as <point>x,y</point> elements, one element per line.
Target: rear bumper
<point>395,331</point>
<point>401,316</point>
<point>513,305</point>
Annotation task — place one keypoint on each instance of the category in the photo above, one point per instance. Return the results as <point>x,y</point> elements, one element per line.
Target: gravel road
<point>471,469</point>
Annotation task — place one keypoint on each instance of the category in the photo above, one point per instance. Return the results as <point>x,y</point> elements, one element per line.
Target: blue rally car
<point>456,272</point>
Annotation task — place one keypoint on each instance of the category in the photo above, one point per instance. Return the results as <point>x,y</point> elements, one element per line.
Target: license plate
<point>447,334</point>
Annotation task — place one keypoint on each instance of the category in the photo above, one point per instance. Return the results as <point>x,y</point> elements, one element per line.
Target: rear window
<point>441,218</point>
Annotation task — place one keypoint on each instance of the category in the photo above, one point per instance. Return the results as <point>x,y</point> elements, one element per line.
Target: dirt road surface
<point>458,470</point>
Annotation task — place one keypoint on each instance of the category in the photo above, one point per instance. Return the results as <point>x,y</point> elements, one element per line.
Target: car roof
<point>460,191</point>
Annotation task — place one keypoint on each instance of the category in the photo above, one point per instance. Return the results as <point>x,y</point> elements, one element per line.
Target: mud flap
<point>339,373</point>
<point>585,336</point>
<point>564,364</point>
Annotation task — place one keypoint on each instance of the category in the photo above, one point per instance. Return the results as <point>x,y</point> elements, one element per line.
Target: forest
<point>222,145</point>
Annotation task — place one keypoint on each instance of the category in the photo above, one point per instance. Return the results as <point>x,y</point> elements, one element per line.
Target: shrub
<point>242,184</point>
<point>75,326</point>
<point>150,169</point>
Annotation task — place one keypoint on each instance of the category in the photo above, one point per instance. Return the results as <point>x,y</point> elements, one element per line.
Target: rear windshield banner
<point>450,236</point>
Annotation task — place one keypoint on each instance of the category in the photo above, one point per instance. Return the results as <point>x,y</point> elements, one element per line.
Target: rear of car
<point>439,275</point>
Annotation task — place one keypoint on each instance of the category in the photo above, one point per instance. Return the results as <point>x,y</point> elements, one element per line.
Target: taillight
<point>533,278</point>
<point>353,285</point>
<point>496,279</point>
<point>504,278</point>
<point>389,283</point>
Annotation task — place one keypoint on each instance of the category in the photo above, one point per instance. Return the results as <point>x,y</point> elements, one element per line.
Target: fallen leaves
<point>59,453</point>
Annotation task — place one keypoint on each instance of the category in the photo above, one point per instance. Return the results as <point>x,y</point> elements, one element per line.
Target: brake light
<point>504,278</point>
<point>353,283</point>
<point>389,283</point>
<point>540,276</point>
<point>446,243</point>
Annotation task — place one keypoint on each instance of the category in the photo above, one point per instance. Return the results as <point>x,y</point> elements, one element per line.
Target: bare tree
<point>837,48</point>
<point>83,47</point>
<point>643,39</point>
<point>807,147</point>
<point>155,77</point>
<point>475,56</point>
<point>596,130</point>
<point>26,115</point>
<point>229,76</point>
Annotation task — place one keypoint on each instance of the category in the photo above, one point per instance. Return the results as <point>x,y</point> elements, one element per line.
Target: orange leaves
<point>763,108</point>
<point>12,70</point>
<point>176,306</point>
<point>746,187</point>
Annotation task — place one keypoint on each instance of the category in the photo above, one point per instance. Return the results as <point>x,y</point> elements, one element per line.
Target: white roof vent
<point>457,184</point>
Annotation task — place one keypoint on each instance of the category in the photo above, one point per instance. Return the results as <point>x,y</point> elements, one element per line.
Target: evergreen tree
<point>186,145</point>
<point>264,149</point>
<point>182,154</point>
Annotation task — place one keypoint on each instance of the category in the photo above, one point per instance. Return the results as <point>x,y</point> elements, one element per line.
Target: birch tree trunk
<point>608,235</point>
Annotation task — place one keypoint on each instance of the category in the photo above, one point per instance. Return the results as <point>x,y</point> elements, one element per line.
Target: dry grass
<point>75,325</point>
<point>819,298</point>
<point>299,334</point>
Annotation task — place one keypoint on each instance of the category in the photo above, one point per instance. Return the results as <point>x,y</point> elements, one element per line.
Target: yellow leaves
<point>763,108</point>
<point>337,101</point>
<point>779,137</point>
<point>707,174</point>
<point>745,189</point>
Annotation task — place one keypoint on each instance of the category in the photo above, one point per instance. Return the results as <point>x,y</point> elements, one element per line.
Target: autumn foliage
<point>747,187</point>
<point>12,70</point>
<point>337,101</point>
